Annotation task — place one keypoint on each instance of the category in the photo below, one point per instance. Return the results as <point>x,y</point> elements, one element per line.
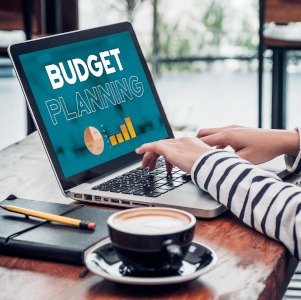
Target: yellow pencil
<point>50,217</point>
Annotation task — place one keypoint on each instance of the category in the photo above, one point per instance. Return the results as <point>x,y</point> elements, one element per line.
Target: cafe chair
<point>36,18</point>
<point>277,35</point>
<point>20,15</point>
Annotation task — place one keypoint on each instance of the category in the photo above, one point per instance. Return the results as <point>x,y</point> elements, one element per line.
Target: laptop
<point>94,102</point>
<point>276,166</point>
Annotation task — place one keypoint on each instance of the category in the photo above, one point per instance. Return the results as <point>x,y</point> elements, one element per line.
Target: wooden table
<point>250,265</point>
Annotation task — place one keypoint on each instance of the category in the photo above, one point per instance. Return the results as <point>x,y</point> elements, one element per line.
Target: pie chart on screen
<point>93,140</point>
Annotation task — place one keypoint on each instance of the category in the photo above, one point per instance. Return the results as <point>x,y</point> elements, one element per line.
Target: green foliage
<point>211,25</point>
<point>245,38</point>
<point>173,45</point>
<point>213,20</point>
<point>214,28</point>
<point>127,8</point>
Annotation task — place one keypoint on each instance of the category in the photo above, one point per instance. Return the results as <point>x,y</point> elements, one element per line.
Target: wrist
<point>293,160</point>
<point>203,159</point>
<point>292,143</point>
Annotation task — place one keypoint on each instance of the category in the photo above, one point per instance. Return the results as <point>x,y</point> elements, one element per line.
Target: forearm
<point>259,198</point>
<point>254,145</point>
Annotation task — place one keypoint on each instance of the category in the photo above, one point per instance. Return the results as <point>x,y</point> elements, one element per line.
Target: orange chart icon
<point>93,140</point>
<point>127,133</point>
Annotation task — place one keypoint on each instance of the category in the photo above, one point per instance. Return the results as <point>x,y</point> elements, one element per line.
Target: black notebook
<point>33,237</point>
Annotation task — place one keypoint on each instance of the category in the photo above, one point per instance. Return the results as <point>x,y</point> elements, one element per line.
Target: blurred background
<point>203,55</point>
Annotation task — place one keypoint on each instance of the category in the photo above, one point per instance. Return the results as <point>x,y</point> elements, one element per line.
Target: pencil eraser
<point>91,226</point>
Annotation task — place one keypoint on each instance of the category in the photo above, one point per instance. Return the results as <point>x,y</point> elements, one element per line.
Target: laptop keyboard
<point>140,182</point>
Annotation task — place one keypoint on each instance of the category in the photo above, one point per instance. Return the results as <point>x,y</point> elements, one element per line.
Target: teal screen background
<point>67,137</point>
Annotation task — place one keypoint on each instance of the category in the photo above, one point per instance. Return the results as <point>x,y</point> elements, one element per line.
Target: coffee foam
<point>151,223</point>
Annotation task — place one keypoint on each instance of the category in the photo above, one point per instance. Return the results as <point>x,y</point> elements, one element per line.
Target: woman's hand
<point>254,145</point>
<point>182,152</point>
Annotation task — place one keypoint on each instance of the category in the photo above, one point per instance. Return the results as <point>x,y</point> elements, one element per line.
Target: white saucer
<point>99,265</point>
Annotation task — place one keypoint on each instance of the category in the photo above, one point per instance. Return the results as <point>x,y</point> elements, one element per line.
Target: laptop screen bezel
<point>64,39</point>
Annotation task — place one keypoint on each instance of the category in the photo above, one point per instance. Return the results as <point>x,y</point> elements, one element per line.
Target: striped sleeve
<point>293,164</point>
<point>259,198</point>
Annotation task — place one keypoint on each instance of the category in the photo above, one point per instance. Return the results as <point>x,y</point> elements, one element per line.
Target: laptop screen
<point>95,100</point>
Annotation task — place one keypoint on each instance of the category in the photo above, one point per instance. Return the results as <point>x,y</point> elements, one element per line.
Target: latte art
<point>151,224</point>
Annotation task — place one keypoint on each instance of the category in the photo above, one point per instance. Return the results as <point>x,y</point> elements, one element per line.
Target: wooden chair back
<point>12,15</point>
<point>38,18</point>
<point>282,11</point>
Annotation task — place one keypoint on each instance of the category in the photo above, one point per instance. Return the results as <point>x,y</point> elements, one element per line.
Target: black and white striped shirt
<point>259,198</point>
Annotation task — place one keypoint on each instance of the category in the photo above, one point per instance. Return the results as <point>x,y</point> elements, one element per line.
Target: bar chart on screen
<point>127,132</point>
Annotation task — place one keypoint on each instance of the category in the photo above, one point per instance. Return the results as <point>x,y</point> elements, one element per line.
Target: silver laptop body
<point>187,197</point>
